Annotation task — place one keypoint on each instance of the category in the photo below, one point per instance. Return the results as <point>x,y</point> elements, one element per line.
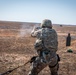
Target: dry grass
<point>16,49</point>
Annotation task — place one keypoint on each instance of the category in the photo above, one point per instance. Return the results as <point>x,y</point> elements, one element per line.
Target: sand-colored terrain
<point>16,48</point>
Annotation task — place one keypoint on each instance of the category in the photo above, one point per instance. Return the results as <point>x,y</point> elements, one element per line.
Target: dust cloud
<point>25,30</point>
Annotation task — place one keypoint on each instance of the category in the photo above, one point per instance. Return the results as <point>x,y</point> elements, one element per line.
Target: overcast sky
<point>59,11</point>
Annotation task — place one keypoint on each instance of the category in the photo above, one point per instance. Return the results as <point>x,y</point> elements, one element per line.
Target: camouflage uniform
<point>47,37</point>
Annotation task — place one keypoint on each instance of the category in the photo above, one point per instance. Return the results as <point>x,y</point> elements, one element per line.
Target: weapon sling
<point>9,71</point>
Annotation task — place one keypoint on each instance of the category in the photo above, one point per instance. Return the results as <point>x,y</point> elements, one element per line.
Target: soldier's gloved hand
<point>33,59</point>
<point>33,32</point>
<point>36,28</point>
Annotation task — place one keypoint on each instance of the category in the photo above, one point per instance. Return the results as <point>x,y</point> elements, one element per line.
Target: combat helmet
<point>46,23</point>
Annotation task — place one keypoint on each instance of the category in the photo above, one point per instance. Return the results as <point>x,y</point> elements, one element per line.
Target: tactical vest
<point>49,38</point>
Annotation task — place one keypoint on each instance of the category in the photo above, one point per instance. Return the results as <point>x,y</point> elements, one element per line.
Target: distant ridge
<point>16,25</point>
<point>19,25</point>
<point>16,22</point>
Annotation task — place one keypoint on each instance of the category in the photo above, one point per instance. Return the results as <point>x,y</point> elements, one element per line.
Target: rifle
<point>9,71</point>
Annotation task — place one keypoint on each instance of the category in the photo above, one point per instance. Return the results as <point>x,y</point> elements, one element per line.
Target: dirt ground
<point>16,48</point>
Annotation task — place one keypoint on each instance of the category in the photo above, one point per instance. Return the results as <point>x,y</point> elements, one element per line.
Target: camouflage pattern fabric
<point>47,37</point>
<point>46,23</point>
<point>38,66</point>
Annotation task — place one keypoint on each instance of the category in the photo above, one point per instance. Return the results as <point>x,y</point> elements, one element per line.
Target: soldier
<point>46,46</point>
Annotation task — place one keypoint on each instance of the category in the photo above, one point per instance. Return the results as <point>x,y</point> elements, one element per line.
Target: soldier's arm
<point>35,31</point>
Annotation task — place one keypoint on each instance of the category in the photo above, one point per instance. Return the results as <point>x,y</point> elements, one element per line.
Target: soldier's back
<point>49,37</point>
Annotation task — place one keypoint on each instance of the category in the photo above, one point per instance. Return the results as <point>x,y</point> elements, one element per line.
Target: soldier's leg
<point>54,65</point>
<point>54,69</point>
<point>36,67</point>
